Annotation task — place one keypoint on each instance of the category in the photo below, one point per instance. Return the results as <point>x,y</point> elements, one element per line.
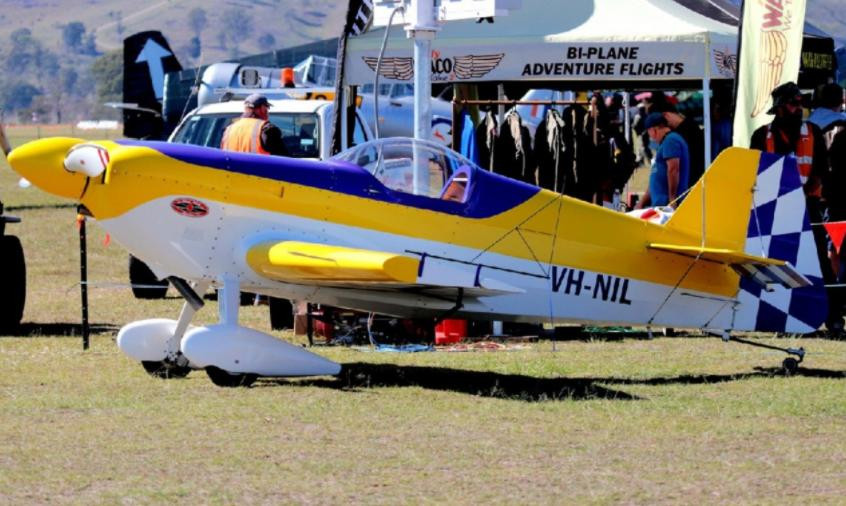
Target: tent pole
<point>422,33</point>
<point>706,115</point>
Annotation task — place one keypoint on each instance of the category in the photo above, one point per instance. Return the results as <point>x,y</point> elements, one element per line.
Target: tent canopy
<point>576,40</point>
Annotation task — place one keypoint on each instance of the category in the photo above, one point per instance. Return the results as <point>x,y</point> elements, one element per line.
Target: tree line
<point>70,82</point>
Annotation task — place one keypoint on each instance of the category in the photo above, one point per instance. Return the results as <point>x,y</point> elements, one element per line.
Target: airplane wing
<point>328,265</point>
<point>765,271</point>
<point>295,261</point>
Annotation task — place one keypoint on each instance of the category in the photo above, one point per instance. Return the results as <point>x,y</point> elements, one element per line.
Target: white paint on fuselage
<point>215,246</point>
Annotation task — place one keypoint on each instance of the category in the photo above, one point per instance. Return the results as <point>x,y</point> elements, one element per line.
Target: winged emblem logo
<point>726,63</point>
<point>463,67</point>
<point>770,67</point>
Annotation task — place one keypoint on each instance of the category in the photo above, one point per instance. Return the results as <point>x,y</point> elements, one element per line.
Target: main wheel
<point>281,313</point>
<point>12,282</point>
<point>790,365</point>
<point>165,370</point>
<point>140,274</point>
<point>227,379</point>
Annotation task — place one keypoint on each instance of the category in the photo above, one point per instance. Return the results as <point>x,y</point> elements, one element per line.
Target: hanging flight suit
<point>579,146</point>
<point>513,156</point>
<point>486,138</point>
<point>551,152</point>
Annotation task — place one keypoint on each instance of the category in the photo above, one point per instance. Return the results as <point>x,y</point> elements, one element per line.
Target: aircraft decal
<point>189,207</point>
<point>153,54</point>
<point>777,233</point>
<point>492,194</point>
<point>604,287</point>
<point>443,69</point>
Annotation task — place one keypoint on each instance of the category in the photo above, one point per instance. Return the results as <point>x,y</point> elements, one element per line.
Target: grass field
<point>635,421</point>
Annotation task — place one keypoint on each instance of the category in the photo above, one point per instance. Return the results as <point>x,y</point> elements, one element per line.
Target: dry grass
<point>667,421</point>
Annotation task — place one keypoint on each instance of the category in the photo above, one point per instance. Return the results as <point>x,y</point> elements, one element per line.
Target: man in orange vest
<point>788,134</point>
<point>252,132</point>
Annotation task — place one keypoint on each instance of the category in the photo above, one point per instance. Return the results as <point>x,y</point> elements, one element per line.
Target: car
<point>306,125</point>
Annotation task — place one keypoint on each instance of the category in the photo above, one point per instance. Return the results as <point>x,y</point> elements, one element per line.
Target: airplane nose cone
<point>41,162</point>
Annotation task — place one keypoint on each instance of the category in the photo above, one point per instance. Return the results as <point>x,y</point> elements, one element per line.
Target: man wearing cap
<point>252,132</point>
<point>670,165</point>
<point>788,134</point>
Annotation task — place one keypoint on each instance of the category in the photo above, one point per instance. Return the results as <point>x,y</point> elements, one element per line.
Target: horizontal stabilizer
<point>764,271</point>
<point>295,261</point>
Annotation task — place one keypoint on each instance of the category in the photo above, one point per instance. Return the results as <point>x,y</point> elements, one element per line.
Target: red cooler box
<point>450,331</point>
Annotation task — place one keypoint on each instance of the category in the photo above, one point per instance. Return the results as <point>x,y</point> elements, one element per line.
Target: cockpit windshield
<point>413,166</point>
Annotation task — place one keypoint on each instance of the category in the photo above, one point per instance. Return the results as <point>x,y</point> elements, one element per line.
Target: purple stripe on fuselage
<point>490,194</point>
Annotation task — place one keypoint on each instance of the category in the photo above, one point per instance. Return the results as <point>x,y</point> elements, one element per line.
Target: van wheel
<point>140,274</point>
<point>12,282</point>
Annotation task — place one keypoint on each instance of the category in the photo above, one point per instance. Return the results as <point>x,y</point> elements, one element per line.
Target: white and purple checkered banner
<point>779,228</point>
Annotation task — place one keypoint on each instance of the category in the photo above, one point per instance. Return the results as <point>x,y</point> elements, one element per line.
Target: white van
<point>306,125</point>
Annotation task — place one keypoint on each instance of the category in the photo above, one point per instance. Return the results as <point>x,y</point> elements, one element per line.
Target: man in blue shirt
<point>670,165</point>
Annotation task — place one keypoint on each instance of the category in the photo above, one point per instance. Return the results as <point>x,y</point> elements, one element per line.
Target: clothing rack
<point>456,103</point>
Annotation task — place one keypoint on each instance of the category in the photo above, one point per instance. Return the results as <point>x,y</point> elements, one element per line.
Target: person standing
<point>253,132</point>
<point>670,165</point>
<point>829,114</point>
<point>691,132</point>
<point>789,134</point>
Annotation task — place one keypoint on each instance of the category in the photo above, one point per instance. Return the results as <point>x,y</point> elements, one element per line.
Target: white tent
<point>566,40</point>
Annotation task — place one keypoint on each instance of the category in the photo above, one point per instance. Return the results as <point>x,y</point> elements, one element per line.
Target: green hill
<point>264,24</point>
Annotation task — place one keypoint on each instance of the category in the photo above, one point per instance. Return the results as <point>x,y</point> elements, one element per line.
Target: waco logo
<point>443,69</point>
<point>189,207</point>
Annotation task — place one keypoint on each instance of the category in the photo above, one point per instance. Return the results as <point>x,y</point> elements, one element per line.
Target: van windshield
<point>299,131</point>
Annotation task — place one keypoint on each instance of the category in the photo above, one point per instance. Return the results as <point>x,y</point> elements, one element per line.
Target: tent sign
<point>577,61</point>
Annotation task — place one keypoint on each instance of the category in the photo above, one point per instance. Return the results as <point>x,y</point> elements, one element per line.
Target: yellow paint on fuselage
<point>582,235</point>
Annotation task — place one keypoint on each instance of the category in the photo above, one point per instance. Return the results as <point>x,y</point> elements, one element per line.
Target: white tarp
<point>558,40</point>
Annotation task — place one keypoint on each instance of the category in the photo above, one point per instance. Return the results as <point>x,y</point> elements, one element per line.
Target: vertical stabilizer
<point>754,202</point>
<point>779,227</point>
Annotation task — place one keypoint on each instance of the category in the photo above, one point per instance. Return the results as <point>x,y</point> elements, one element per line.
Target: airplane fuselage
<point>552,258</point>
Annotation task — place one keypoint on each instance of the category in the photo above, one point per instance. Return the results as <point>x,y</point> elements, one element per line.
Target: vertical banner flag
<point>359,17</point>
<point>770,53</point>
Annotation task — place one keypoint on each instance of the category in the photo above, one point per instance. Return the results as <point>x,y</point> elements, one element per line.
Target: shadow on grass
<point>805,372</point>
<point>59,329</point>
<point>34,207</point>
<point>359,375</point>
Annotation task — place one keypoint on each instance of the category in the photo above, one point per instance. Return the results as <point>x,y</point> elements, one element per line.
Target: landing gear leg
<point>175,365</point>
<point>790,364</point>
<point>229,302</point>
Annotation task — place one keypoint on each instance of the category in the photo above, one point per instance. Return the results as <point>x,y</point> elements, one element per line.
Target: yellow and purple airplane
<point>413,229</point>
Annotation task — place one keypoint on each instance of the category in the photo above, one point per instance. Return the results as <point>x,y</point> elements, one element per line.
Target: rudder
<point>779,227</point>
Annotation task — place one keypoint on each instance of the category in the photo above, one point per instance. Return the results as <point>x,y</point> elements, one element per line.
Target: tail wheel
<point>281,314</point>
<point>227,379</point>
<point>140,274</point>
<point>12,281</point>
<point>165,370</point>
